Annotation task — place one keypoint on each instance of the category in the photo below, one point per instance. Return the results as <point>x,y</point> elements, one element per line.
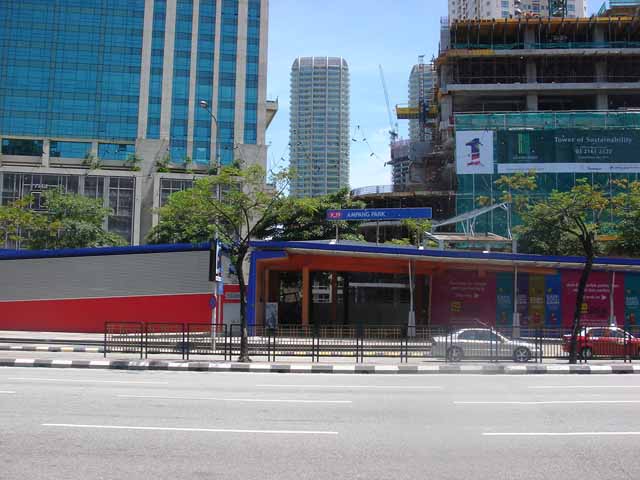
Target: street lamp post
<point>216,316</point>
<point>205,105</point>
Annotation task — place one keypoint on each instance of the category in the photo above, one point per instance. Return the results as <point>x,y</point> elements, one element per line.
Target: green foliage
<point>163,165</point>
<point>416,230</point>
<point>565,223</point>
<point>626,210</point>
<point>188,164</point>
<point>69,221</point>
<point>133,162</point>
<point>16,220</point>
<point>91,161</point>
<point>305,218</point>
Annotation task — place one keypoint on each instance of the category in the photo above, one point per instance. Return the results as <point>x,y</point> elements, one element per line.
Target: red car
<point>604,342</point>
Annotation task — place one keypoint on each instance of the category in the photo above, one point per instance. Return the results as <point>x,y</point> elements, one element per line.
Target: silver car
<point>481,343</point>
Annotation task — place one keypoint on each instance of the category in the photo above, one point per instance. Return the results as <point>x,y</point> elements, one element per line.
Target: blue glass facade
<point>204,81</point>
<point>157,61</point>
<point>69,149</point>
<point>181,72</point>
<point>253,63</point>
<point>227,80</point>
<point>70,68</point>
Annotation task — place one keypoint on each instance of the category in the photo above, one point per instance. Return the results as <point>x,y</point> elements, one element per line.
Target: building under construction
<point>555,95</point>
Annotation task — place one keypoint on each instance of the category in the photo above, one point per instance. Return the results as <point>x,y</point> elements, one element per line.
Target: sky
<point>367,33</point>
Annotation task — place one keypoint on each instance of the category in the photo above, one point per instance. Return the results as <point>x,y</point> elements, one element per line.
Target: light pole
<point>205,105</point>
<point>216,316</point>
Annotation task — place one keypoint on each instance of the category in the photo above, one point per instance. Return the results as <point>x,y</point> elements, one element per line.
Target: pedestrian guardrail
<point>450,344</point>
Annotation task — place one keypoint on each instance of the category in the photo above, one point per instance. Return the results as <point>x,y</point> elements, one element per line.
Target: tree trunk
<point>244,333</point>
<point>584,278</point>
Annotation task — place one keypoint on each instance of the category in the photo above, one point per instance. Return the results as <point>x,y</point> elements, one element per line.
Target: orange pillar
<point>306,296</point>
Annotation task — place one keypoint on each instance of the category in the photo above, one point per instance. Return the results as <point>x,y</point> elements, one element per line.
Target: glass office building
<point>108,80</point>
<point>319,126</point>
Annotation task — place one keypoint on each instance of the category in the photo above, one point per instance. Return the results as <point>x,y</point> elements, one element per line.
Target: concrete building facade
<point>102,98</point>
<point>319,125</point>
<point>470,9</point>
<point>539,94</point>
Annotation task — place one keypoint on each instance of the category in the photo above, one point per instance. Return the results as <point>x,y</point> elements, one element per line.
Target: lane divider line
<point>86,380</point>
<point>547,402</point>
<point>187,429</point>
<point>556,434</point>
<point>249,400</point>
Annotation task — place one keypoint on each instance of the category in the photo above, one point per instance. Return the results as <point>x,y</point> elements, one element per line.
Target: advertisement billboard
<point>474,151</point>
<point>569,150</point>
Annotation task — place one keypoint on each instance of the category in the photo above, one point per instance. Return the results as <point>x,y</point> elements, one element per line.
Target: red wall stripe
<point>89,315</point>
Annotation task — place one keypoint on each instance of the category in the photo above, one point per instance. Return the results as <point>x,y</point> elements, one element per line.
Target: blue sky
<point>366,33</point>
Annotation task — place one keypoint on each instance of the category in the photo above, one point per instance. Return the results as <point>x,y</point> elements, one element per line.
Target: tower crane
<point>393,128</point>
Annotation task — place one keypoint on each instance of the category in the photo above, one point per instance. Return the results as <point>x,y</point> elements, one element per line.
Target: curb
<point>319,368</point>
<point>51,348</point>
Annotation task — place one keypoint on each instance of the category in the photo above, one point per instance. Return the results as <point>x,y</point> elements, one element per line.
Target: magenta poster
<point>464,298</point>
<point>596,305</point>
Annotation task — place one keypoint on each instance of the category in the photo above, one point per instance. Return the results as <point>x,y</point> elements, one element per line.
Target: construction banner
<point>568,150</point>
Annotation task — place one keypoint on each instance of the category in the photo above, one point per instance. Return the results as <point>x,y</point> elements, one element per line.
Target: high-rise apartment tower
<point>319,125</point>
<point>470,9</point>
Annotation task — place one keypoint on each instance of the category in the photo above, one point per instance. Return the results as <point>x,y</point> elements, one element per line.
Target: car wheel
<point>586,353</point>
<point>455,354</point>
<point>522,355</point>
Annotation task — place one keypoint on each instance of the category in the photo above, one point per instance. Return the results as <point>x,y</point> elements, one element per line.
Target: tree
<point>72,221</point>
<point>565,223</point>
<point>66,221</point>
<point>16,220</point>
<point>626,211</point>
<point>245,208</point>
<point>416,230</point>
<point>305,218</point>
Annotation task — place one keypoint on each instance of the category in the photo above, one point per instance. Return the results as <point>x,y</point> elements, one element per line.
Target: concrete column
<point>598,33</point>
<point>446,110</point>
<point>145,69</point>
<point>602,101</point>
<point>532,102</point>
<point>601,71</point>
<point>532,71</point>
<point>192,76</point>
<point>241,71</point>
<point>216,82</point>
<point>262,72</point>
<point>167,69</point>
<point>46,152</point>
<point>306,296</point>
<point>94,149</point>
<point>529,35</point>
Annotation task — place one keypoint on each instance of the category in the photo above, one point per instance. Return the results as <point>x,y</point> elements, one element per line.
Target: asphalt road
<point>79,424</point>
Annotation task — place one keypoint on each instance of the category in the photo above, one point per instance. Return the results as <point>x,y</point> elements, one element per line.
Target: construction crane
<point>393,128</point>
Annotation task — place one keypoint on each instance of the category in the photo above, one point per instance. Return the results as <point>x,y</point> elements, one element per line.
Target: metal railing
<point>448,344</point>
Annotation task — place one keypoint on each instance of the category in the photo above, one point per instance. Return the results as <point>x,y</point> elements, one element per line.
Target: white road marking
<point>8,392</point>
<point>557,434</point>
<point>558,387</point>
<point>185,429</point>
<point>87,380</point>
<point>380,387</point>
<point>252,400</point>
<point>547,402</point>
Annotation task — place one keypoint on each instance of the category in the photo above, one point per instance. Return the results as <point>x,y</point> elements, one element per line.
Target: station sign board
<point>379,214</point>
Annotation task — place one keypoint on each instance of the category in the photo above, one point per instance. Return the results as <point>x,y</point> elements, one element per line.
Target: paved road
<point>77,424</point>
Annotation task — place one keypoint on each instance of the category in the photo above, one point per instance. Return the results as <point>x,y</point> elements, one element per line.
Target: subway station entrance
<point>352,284</point>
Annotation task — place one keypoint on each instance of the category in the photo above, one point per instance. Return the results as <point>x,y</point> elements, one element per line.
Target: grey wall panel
<point>105,276</point>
